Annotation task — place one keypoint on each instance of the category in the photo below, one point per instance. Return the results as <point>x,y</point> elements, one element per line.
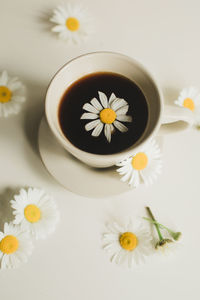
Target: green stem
<point>155,224</point>
<point>175,235</point>
<point>160,225</point>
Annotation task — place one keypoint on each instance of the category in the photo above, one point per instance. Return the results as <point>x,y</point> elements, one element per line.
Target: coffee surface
<point>83,91</point>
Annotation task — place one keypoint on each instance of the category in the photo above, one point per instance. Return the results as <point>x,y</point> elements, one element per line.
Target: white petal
<point>14,260</point>
<point>108,246</point>
<point>119,228</point>
<point>58,28</point>
<point>119,256</point>
<point>112,128</point>
<point>1,236</point>
<point>64,35</point>
<point>112,228</point>
<point>151,172</point>
<point>107,132</point>
<point>96,104</point>
<point>18,219</point>
<point>10,108</point>
<point>184,92</point>
<point>4,78</point>
<point>192,92</point>
<point>1,110</point>
<point>123,110</point>
<point>136,179</point>
<point>14,84</point>
<point>177,102</point>
<point>58,19</point>
<point>89,116</point>
<point>21,256</point>
<point>61,13</point>
<point>97,130</point>
<point>90,108</point>
<point>126,176</point>
<point>124,118</point>
<point>23,194</point>
<point>103,98</point>
<point>19,99</point>
<point>132,178</point>
<point>4,261</point>
<point>6,228</point>
<point>89,126</point>
<point>5,112</point>
<point>112,98</point>
<point>136,256</point>
<point>64,11</point>
<point>124,162</point>
<point>121,127</point>
<point>118,103</point>
<point>108,236</point>
<point>123,170</point>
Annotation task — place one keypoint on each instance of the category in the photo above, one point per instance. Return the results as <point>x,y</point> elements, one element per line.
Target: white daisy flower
<point>107,114</point>
<point>72,22</point>
<point>15,246</point>
<point>12,94</point>
<point>190,98</point>
<point>143,166</point>
<point>127,244</point>
<point>35,212</point>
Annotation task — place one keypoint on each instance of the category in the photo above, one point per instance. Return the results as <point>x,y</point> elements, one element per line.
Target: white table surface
<point>71,264</point>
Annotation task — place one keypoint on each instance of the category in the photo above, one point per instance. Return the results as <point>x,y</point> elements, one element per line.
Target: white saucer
<point>74,175</point>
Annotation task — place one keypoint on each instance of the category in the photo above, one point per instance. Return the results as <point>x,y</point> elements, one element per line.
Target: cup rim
<point>106,157</point>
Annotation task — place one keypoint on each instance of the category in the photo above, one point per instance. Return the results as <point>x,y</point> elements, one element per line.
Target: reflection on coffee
<point>103,113</point>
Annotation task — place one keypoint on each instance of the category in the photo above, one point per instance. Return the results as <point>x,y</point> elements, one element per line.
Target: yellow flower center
<point>32,213</point>
<point>5,94</point>
<point>107,115</point>
<point>9,244</point>
<point>189,103</point>
<point>72,24</point>
<point>140,161</point>
<point>128,241</point>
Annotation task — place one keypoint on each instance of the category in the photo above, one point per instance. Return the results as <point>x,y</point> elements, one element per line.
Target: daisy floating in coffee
<point>127,244</point>
<point>107,114</point>
<point>35,212</point>
<point>143,166</point>
<point>12,95</point>
<point>163,245</point>
<point>72,22</point>
<point>15,246</point>
<point>190,99</point>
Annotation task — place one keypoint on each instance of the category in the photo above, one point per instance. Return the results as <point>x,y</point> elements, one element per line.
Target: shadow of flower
<point>6,211</point>
<point>33,113</point>
<point>170,95</point>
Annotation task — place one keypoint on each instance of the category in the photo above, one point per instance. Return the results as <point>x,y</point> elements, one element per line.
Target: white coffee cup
<point>162,119</point>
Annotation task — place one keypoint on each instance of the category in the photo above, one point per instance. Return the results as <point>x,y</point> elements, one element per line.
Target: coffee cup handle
<point>175,119</point>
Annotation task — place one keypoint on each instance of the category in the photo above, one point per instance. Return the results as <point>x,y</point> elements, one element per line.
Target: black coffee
<point>83,91</point>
